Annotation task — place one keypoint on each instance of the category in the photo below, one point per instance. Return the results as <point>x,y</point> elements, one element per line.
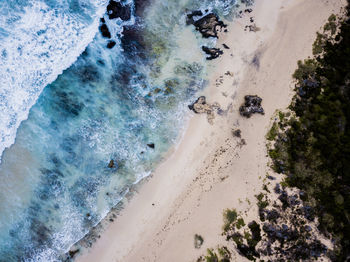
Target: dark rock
<point>190,20</point>
<point>102,20</point>
<point>111,44</point>
<point>272,215</point>
<point>151,145</point>
<point>307,228</point>
<point>140,6</point>
<point>225,46</point>
<point>271,231</point>
<point>72,253</point>
<point>200,101</point>
<point>309,213</point>
<point>117,10</point>
<point>251,106</point>
<point>111,164</point>
<point>284,199</point>
<point>252,20</point>
<point>248,10</point>
<point>104,31</point>
<point>133,42</point>
<point>271,177</point>
<point>277,188</point>
<point>293,200</point>
<point>208,24</point>
<point>237,133</point>
<point>212,52</point>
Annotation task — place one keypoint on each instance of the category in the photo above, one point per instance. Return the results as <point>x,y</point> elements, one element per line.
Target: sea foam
<point>38,42</point>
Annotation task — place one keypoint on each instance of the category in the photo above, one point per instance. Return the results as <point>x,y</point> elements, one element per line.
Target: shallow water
<point>110,103</point>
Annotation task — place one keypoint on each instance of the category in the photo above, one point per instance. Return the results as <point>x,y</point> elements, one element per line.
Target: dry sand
<point>211,170</point>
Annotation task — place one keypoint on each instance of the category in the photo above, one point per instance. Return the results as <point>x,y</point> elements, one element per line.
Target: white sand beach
<point>210,169</point>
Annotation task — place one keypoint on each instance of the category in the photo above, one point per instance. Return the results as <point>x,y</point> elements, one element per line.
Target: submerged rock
<point>251,106</point>
<point>111,164</point>
<point>151,145</point>
<point>206,25</point>
<point>117,10</point>
<point>212,52</point>
<point>111,44</point>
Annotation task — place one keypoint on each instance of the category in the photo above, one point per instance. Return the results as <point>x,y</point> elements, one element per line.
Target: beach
<point>210,169</point>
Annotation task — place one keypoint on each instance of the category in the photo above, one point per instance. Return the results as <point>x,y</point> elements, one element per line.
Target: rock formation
<point>117,10</point>
<point>200,106</point>
<point>207,25</point>
<point>251,106</point>
<point>212,52</point>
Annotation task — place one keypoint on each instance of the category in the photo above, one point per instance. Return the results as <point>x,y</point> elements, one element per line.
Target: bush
<point>314,152</point>
<point>230,216</point>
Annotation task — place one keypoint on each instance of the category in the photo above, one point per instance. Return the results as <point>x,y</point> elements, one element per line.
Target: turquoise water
<point>109,104</point>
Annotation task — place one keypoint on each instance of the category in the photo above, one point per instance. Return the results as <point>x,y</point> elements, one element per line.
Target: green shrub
<point>314,152</point>
<point>230,216</point>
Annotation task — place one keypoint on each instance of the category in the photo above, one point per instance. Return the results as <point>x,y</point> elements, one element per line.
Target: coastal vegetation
<point>312,146</point>
<point>306,215</point>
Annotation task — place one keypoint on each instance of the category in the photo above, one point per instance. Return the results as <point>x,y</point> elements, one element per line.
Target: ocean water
<point>69,105</point>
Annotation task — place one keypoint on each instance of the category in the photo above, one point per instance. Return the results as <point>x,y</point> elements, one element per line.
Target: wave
<point>47,35</point>
<point>110,104</point>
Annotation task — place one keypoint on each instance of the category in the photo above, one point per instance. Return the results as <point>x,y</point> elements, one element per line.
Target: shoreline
<point>209,169</point>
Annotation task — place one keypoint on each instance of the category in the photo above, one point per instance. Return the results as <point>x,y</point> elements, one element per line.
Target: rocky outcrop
<point>190,19</point>
<point>212,52</point>
<point>104,30</point>
<point>200,106</point>
<point>252,105</point>
<point>207,25</point>
<point>117,10</point>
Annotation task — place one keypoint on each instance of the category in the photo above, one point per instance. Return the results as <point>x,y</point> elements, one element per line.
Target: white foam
<point>39,46</point>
